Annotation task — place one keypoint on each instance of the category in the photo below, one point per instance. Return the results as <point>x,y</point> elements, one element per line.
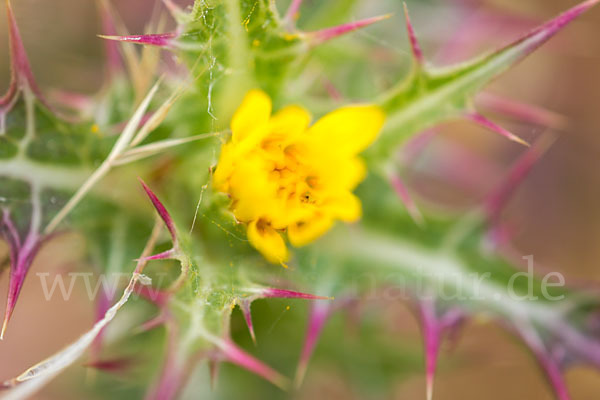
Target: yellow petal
<point>345,206</point>
<point>224,169</point>
<point>290,121</point>
<point>254,112</point>
<point>253,193</point>
<point>303,233</point>
<point>341,173</point>
<point>267,241</point>
<point>349,130</point>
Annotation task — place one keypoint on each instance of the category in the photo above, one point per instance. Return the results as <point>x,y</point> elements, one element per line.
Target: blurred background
<point>556,209</point>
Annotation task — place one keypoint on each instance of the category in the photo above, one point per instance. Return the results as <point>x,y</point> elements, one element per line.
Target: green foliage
<point>80,176</point>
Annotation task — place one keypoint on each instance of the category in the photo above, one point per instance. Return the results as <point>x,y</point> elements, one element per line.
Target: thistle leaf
<point>432,95</point>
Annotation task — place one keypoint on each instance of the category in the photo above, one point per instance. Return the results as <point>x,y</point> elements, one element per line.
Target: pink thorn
<point>290,294</point>
<point>431,338</point>
<point>20,62</point>
<point>165,255</point>
<point>173,8</point>
<point>319,314</point>
<point>160,319</point>
<point>115,365</point>
<point>326,34</point>
<point>172,373</point>
<point>333,92</point>
<point>486,123</point>
<point>14,289</point>
<point>158,39</point>
<point>543,33</point>
<point>102,305</point>
<point>21,69</point>
<point>414,43</point>
<point>406,198</point>
<point>555,377</point>
<point>434,328</point>
<point>239,357</point>
<point>113,55</point>
<point>550,366</point>
<point>522,111</point>
<point>417,145</point>
<point>245,307</point>
<point>75,101</point>
<point>21,259</point>
<point>162,211</point>
<point>292,12</point>
<point>153,295</point>
<point>13,238</point>
<point>213,368</point>
<point>477,25</point>
<point>500,234</point>
<point>518,172</point>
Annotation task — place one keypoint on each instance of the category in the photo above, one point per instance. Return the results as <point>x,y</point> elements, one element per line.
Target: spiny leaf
<point>431,95</point>
<point>117,150</point>
<point>34,378</point>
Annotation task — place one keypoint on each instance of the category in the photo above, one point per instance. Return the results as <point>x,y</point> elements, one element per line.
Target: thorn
<point>4,325</point>
<point>417,145</point>
<point>213,368</point>
<point>431,338</point>
<point>318,316</point>
<point>162,211</point>
<point>414,43</point>
<point>292,12</point>
<point>486,123</point>
<point>429,389</point>
<point>172,373</point>
<point>158,39</point>
<point>154,295</point>
<point>175,11</point>
<point>290,294</point>
<point>323,35</point>
<point>543,33</point>
<point>522,111</point>
<point>15,284</point>
<point>518,172</point>
<point>20,62</point>
<point>545,359</point>
<point>20,66</point>
<point>406,198</point>
<point>113,56</point>
<point>239,357</point>
<point>333,92</point>
<point>155,322</point>
<point>245,307</point>
<point>165,255</point>
<point>116,365</point>
<point>103,303</point>
<point>434,328</point>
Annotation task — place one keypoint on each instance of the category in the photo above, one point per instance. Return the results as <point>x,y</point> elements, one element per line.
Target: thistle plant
<point>212,185</point>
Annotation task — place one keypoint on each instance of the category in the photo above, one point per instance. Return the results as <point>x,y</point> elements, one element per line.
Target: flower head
<point>286,176</point>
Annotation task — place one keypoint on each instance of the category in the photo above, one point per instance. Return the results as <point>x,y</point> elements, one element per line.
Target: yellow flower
<point>284,176</point>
